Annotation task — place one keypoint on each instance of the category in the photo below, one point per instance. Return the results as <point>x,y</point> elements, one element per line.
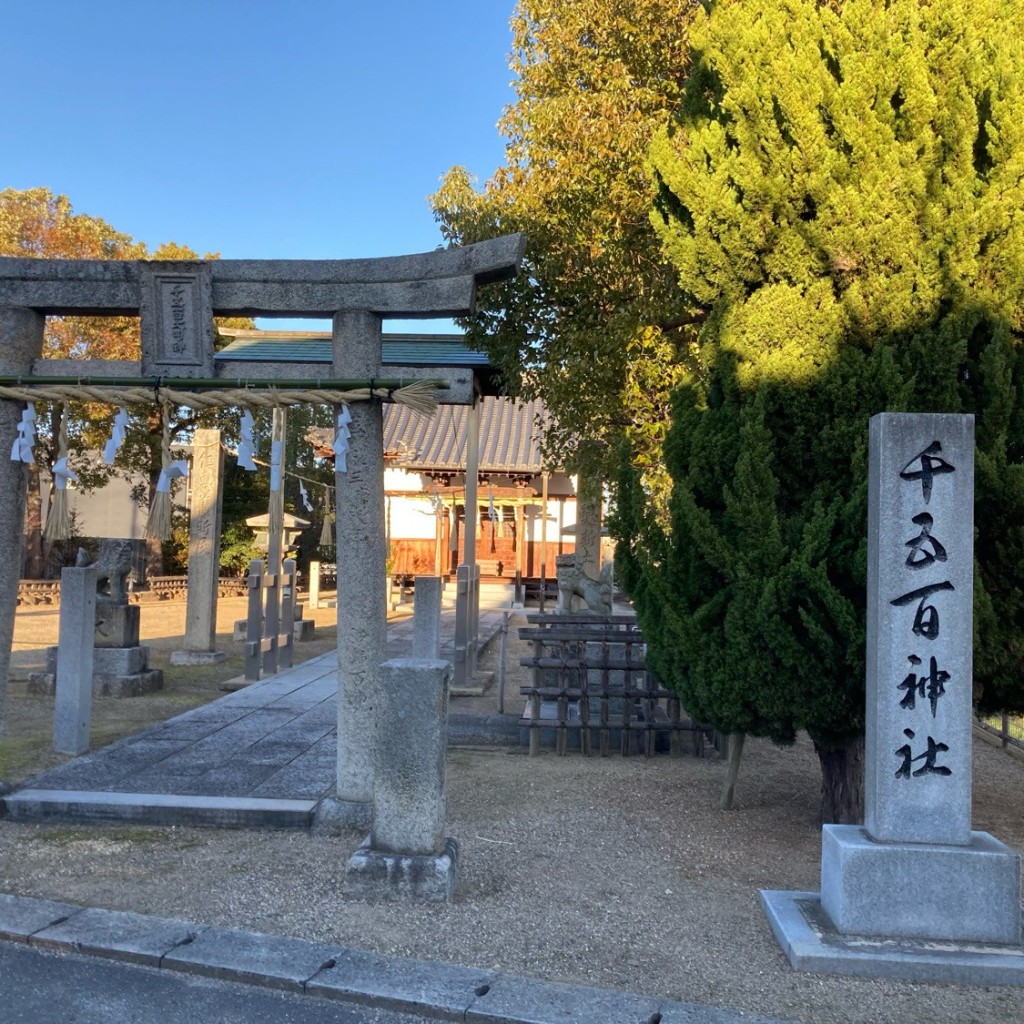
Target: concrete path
<point>262,756</point>
<point>314,973</point>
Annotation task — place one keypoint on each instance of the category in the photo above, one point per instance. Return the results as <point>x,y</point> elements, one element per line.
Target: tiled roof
<point>315,347</point>
<point>509,437</point>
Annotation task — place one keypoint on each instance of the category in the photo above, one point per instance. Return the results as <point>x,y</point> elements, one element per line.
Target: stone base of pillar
<point>333,815</point>
<point>104,684</point>
<point>116,672</point>
<point>197,657</point>
<point>375,875</point>
<point>920,890</point>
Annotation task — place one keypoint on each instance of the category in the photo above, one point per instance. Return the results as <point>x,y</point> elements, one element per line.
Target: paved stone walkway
<point>262,755</point>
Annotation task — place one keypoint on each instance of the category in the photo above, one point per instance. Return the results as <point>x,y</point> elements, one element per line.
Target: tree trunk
<point>842,784</point>
<point>34,567</point>
<point>736,741</point>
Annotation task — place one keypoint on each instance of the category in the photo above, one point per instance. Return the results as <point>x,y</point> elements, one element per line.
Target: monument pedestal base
<point>812,943</point>
<point>373,874</point>
<point>920,890</point>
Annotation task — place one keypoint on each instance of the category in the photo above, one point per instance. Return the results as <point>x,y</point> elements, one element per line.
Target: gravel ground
<point>611,872</point>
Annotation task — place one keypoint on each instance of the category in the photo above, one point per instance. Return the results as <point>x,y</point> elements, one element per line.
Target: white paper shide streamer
<point>117,436</point>
<point>341,438</point>
<point>246,445</point>
<point>63,474</point>
<point>306,504</point>
<point>21,450</point>
<point>176,469</point>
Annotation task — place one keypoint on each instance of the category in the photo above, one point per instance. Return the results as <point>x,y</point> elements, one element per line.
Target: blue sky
<point>255,128</point>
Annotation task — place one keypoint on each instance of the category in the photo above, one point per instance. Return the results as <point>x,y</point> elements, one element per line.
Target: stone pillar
<point>463,673</point>
<point>313,588</point>
<point>472,473</point>
<point>406,855</point>
<point>77,628</point>
<point>919,642</point>
<point>207,487</point>
<point>361,557</point>
<point>588,523</point>
<point>21,331</point>
<point>426,618</point>
<point>466,595</point>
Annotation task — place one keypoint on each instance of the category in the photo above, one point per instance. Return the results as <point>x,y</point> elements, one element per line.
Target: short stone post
<point>77,625</point>
<point>426,618</point>
<point>406,855</point>
<point>474,622</point>
<point>254,622</point>
<point>286,636</point>
<point>206,483</point>
<point>463,597</point>
<point>313,595</point>
<point>915,872</point>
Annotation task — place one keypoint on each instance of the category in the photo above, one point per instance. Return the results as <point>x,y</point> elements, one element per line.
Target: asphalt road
<point>50,988</point>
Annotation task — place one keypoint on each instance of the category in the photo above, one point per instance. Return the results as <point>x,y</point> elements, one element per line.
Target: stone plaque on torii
<point>176,302</point>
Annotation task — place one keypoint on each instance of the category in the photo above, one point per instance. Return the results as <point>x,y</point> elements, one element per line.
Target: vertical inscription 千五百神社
<point>924,684</point>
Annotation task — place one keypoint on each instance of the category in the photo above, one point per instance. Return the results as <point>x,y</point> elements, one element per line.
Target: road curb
<point>435,990</point>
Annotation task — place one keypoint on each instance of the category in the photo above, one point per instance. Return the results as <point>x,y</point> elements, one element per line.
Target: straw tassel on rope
<point>158,527</point>
<point>58,520</point>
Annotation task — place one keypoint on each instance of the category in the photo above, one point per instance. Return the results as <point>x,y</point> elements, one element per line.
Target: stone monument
<point>120,664</point>
<point>914,891</point>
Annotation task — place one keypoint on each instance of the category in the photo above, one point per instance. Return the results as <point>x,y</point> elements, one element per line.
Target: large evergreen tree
<point>841,192</point>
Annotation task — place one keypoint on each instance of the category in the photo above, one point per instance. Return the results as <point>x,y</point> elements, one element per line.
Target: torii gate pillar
<point>21,332</point>
<point>361,555</point>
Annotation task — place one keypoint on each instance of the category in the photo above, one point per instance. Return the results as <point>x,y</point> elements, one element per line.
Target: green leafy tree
<point>595,324</point>
<point>841,193</point>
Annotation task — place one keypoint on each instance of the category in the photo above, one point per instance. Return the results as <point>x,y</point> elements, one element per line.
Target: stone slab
<point>159,809</point>
<point>511,1000</point>
<point>919,890</point>
<point>22,916</point>
<point>275,961</point>
<point>811,943</point>
<point>120,935</point>
<point>377,875</point>
<point>440,990</point>
<point>197,657</point>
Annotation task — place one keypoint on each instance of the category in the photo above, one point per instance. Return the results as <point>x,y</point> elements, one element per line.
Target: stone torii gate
<point>176,303</point>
